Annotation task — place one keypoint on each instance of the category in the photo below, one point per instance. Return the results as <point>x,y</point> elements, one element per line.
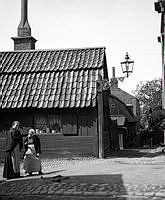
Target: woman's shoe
<point>30,174</point>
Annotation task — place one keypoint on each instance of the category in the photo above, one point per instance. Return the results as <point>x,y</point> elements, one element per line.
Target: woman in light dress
<point>32,162</point>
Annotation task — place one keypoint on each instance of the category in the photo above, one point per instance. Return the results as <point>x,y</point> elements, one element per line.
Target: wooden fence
<point>57,145</point>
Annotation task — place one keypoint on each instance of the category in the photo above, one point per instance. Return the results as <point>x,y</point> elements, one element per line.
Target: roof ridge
<point>117,89</point>
<point>58,49</point>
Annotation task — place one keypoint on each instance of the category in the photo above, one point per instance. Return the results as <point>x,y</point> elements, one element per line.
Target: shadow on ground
<point>134,153</point>
<point>82,187</point>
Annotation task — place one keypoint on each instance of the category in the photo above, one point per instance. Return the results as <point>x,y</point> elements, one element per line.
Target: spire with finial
<point>24,29</point>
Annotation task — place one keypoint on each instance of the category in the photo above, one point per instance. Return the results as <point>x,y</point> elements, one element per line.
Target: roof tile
<point>51,78</point>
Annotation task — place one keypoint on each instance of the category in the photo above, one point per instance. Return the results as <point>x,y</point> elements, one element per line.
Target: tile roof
<point>51,78</point>
<point>121,109</point>
<point>123,95</point>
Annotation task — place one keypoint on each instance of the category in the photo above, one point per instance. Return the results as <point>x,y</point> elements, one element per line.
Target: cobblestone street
<point>130,174</point>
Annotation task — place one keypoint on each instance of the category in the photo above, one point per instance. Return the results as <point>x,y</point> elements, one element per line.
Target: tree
<point>149,94</point>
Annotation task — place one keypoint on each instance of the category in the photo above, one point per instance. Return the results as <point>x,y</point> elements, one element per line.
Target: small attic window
<point>113,105</point>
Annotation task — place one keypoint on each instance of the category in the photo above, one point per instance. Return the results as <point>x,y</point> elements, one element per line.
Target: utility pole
<point>160,8</point>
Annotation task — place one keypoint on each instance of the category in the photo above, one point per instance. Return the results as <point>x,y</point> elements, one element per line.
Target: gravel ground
<point>116,162</point>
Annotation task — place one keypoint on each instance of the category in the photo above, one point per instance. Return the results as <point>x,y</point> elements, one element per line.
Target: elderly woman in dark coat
<point>14,145</point>
<point>32,162</point>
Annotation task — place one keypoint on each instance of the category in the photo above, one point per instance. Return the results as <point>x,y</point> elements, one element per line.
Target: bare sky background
<point>120,25</point>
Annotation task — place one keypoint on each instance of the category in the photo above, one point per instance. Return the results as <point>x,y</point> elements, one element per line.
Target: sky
<point>119,25</point>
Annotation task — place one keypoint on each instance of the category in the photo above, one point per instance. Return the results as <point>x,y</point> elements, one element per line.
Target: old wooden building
<point>54,91</point>
<point>123,125</point>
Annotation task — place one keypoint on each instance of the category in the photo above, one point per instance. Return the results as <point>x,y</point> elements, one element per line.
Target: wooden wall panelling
<point>69,124</point>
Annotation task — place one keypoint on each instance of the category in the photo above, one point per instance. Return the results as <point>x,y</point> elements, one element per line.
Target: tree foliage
<point>149,94</point>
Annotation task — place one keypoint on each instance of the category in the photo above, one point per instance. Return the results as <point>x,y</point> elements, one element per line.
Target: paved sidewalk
<point>125,175</point>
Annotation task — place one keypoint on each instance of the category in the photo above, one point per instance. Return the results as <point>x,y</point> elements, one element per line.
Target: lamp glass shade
<point>127,65</point>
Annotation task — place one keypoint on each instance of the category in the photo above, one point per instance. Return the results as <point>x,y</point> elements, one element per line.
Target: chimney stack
<point>24,40</point>
<point>113,72</point>
<point>114,81</point>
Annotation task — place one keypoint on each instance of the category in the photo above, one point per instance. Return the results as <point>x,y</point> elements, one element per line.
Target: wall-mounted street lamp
<point>127,65</point>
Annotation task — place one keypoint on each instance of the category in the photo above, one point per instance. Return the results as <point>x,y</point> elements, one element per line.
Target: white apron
<point>32,163</point>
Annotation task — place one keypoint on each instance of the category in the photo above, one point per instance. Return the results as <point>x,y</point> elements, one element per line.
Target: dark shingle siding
<point>52,78</point>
